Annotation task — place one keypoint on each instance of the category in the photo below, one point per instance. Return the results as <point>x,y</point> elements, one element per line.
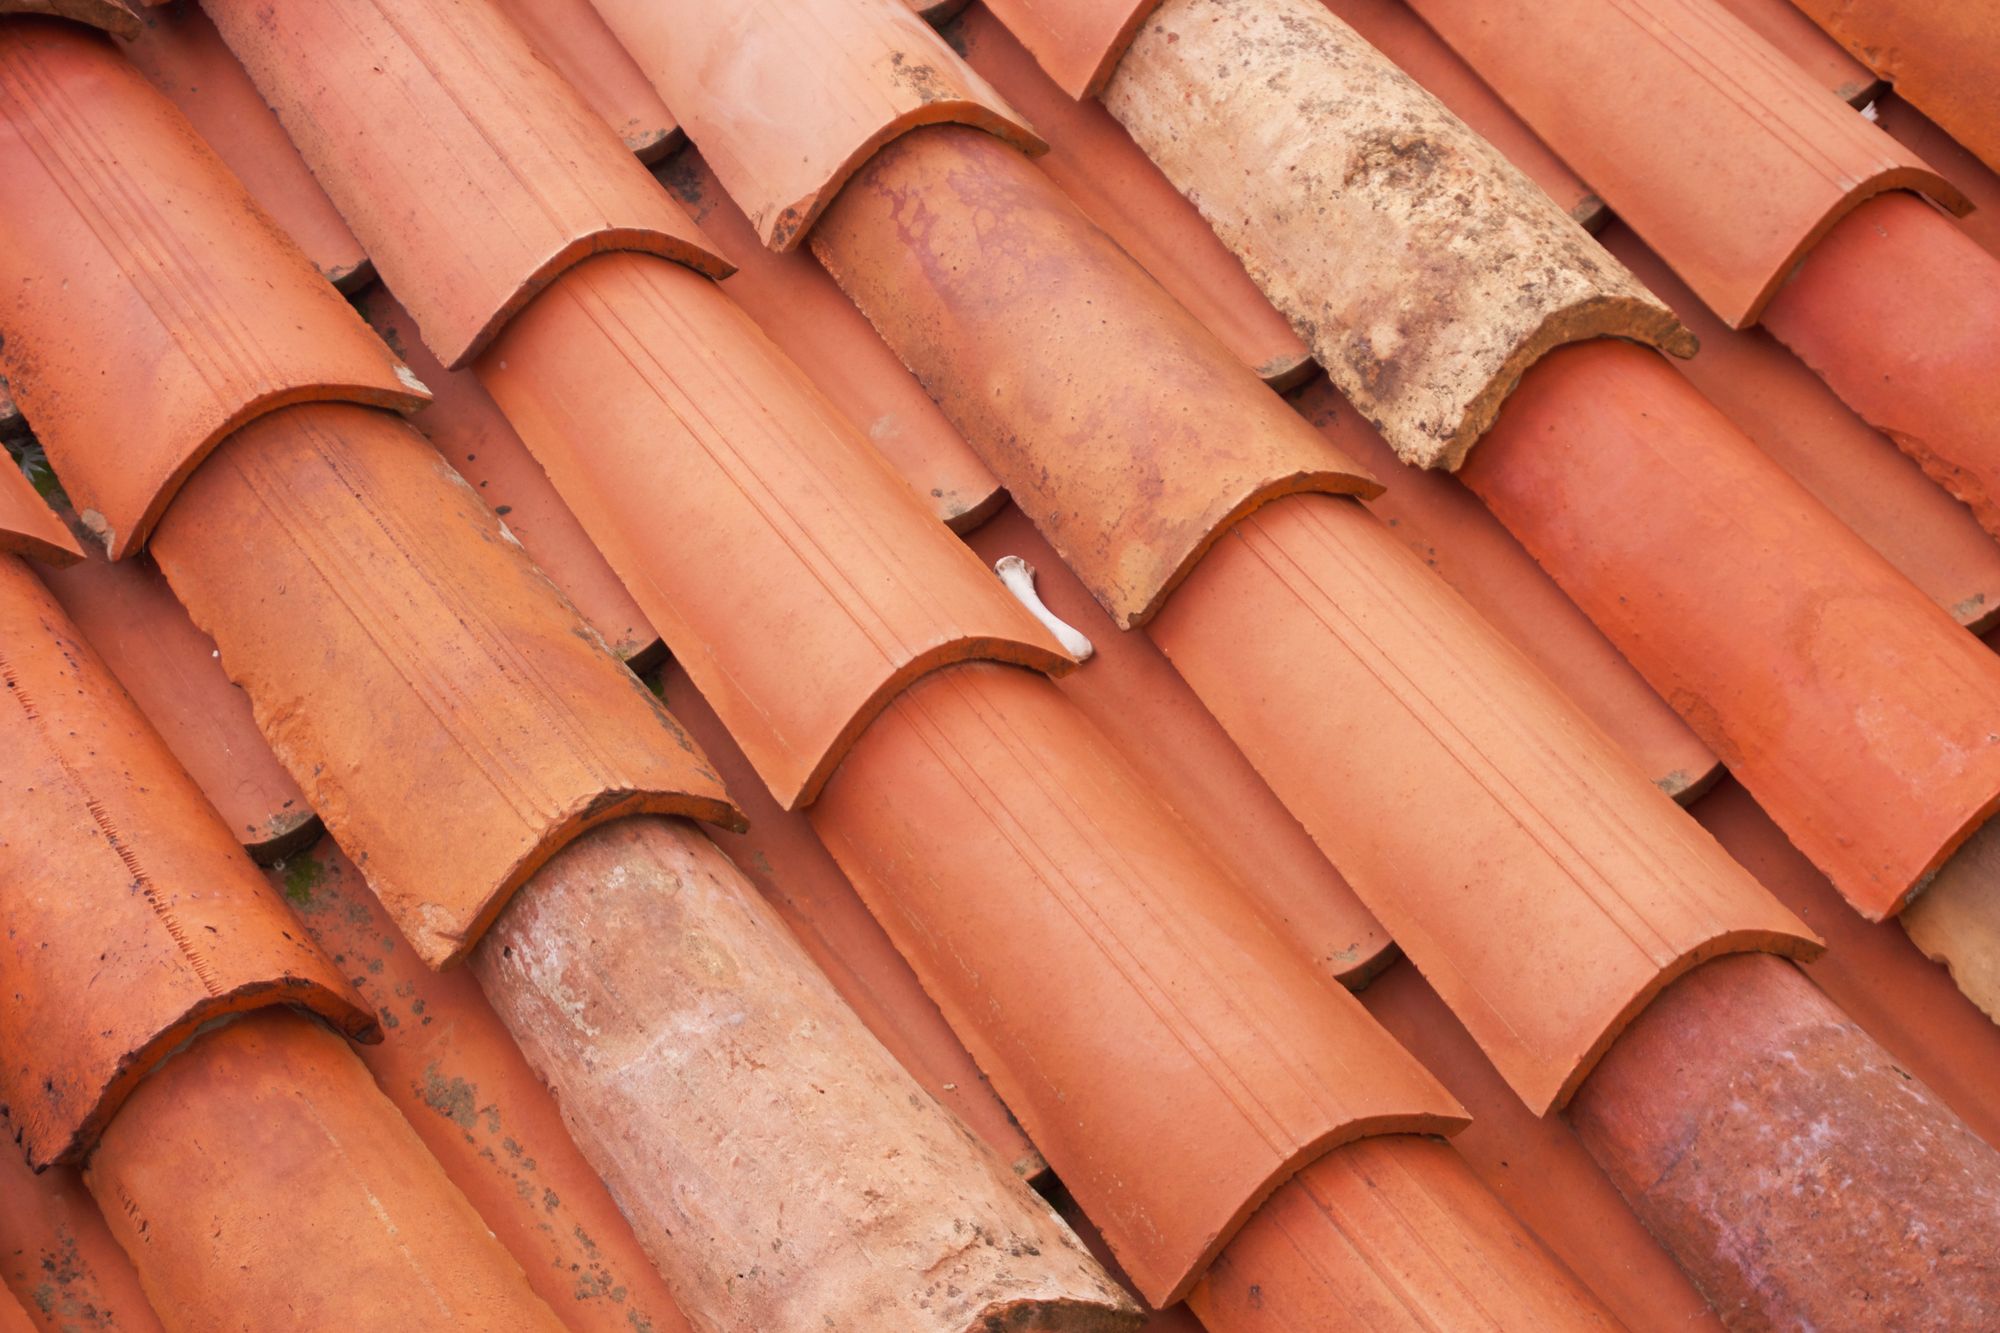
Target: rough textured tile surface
<point>1078,42</point>
<point>127,243</point>
<point>58,1257</point>
<point>1802,1178</point>
<point>1390,1232</point>
<point>388,602</point>
<point>1449,530</point>
<point>142,632</point>
<point>798,579</point>
<point>1512,851</point>
<point>1955,920</point>
<point>1899,312</point>
<point>1858,713</point>
<point>1453,273</point>
<point>777,1164</point>
<point>802,310</point>
<point>469,169</point>
<point>1795,418</point>
<point>1943,58</point>
<point>260,1180</point>
<point>1117,186</point>
<point>180,51</point>
<point>1172,1057</point>
<point>1131,693</point>
<point>1755,162</point>
<point>1093,395</point>
<point>831,81</point>
<point>449,1065</point>
<point>131,917</point>
<point>571,36</point>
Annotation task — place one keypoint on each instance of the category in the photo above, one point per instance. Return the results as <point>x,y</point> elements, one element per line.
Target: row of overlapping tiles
<point>793,771</point>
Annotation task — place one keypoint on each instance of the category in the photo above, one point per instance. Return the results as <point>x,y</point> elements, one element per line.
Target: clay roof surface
<point>1245,665</point>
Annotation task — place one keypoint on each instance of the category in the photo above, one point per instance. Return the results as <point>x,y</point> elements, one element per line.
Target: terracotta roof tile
<point>1979,182</point>
<point>1078,42</point>
<point>1013,307</point>
<point>571,36</point>
<point>1798,421</point>
<point>450,1067</point>
<point>686,946</point>
<point>117,17</point>
<point>170,668</point>
<point>1944,59</point>
<point>470,218</point>
<point>133,895</point>
<point>179,50</point>
<point>1428,362</point>
<point>1171,1056</point>
<point>786,162</point>
<point>1132,694</point>
<point>1446,526</point>
<point>405,611</point>
<point>688,445</point>
<point>792,869</point>
<point>127,243</point>
<point>469,432</point>
<point>1781,24</point>
<point>800,309</point>
<point>28,527</point>
<point>1754,166</point>
<point>1853,707</point>
<point>1103,172</point>
<point>261,1172</point>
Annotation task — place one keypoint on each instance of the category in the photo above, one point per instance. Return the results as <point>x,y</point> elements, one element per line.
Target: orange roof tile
<point>801,310</point>
<point>1132,694</point>
<point>1978,181</point>
<point>1085,385</point>
<point>180,51</point>
<point>755,526</point>
<point>1781,24</point>
<point>120,18</point>
<point>390,602</point>
<point>1272,118</point>
<point>785,163</point>
<point>1078,42</point>
<point>127,243</point>
<point>170,668</point>
<point>710,1073</point>
<point>1447,779</point>
<point>1171,1056</point>
<point>1103,172</point>
<point>470,218</point>
<point>28,527</point>
<point>1857,711</point>
<point>262,1173</point>
<point>1753,167</point>
<point>1943,58</point>
<point>469,432</point>
<point>570,35</point>
<point>134,917</point>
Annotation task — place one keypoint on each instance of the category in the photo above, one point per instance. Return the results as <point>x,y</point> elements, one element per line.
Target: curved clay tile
<point>1727,158</point>
<point>120,18</point>
<point>141,631</point>
<point>182,54</point>
<point>262,1174</point>
<point>781,1169</point>
<point>463,162</point>
<point>1010,306</point>
<point>364,598</point>
<point>1078,42</point>
<point>828,81</point>
<point>799,580</point>
<point>801,309</point>
<point>1513,852</point>
<point>1800,1174</point>
<point>1853,708</point>
<point>1944,59</point>
<point>1390,1232</point>
<point>1452,273</point>
<point>1093,161</point>
<point>1173,1059</point>
<point>1781,23</point>
<point>144,299</point>
<point>27,525</point>
<point>1898,310</point>
<point>132,918</point>
<point>571,36</point>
